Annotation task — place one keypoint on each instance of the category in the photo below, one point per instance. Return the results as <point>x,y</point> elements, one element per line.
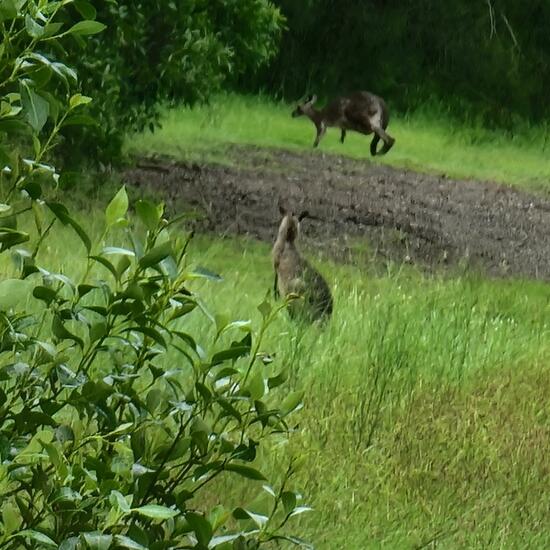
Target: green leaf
<point>117,208</point>
<point>34,30</point>
<point>127,542</point>
<point>8,10</point>
<point>151,332</point>
<point>44,293</point>
<point>62,214</point>
<point>291,402</point>
<point>83,289</point>
<point>97,330</point>
<point>11,237</point>
<point>289,501</point>
<point>51,29</point>
<point>14,292</point>
<point>156,255</point>
<point>148,213</point>
<point>245,471</point>
<point>277,380</point>
<point>117,499</point>
<point>36,536</point>
<point>265,309</point>
<point>229,354</point>
<point>201,526</point>
<point>59,330</point>
<point>107,264</point>
<point>300,510</point>
<point>36,108</point>
<point>203,273</point>
<point>155,511</point>
<point>69,544</point>
<point>259,519</point>
<point>97,541</point>
<point>229,408</point>
<point>109,250</point>
<point>80,120</point>
<point>83,28</point>
<point>153,399</point>
<point>64,433</point>
<point>256,386</point>
<point>55,457</point>
<point>85,9</point>
<point>78,99</point>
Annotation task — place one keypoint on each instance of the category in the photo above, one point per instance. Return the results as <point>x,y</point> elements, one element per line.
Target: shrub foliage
<point>114,421</point>
<point>167,52</point>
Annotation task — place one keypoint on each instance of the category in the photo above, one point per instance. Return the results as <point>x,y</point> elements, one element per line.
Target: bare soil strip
<point>395,214</point>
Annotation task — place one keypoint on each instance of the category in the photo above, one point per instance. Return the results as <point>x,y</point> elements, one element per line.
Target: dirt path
<point>355,205</point>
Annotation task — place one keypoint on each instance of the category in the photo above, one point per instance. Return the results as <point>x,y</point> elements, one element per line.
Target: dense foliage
<point>165,51</point>
<point>489,58</point>
<point>114,420</point>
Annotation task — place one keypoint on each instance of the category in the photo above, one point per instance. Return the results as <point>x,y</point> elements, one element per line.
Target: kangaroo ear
<point>312,99</point>
<point>282,210</point>
<point>303,215</point>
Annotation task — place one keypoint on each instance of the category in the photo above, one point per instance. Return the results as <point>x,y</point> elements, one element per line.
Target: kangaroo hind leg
<point>380,133</point>
<point>321,129</point>
<point>373,145</point>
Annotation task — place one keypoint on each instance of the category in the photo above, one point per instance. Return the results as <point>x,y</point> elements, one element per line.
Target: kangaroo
<point>361,112</point>
<point>294,274</point>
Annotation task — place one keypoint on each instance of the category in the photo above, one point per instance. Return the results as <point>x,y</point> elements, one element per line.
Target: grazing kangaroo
<point>361,112</point>
<point>294,275</point>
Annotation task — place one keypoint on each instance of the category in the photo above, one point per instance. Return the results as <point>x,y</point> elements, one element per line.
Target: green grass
<point>426,412</point>
<point>424,142</point>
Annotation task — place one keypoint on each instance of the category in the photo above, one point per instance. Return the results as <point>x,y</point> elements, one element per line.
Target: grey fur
<point>295,275</point>
<point>361,112</point>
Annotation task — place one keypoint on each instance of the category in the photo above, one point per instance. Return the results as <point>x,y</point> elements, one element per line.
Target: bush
<point>166,52</point>
<point>114,422</point>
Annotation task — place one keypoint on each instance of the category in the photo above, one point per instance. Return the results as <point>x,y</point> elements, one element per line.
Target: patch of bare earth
<point>398,214</point>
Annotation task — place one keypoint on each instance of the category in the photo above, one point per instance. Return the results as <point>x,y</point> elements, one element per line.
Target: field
<point>426,412</point>
<point>426,419</point>
<point>426,140</point>
<point>426,415</point>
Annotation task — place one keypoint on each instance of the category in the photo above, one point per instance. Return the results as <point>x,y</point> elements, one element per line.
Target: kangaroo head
<point>289,228</point>
<point>305,107</point>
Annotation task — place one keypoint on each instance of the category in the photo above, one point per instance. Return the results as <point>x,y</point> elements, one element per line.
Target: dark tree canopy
<point>487,58</point>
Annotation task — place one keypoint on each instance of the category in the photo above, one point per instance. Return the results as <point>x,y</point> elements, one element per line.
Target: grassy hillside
<point>423,141</point>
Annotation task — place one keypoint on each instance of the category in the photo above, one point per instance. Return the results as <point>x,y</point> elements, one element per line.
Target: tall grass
<point>426,420</point>
<point>424,141</point>
<point>426,414</point>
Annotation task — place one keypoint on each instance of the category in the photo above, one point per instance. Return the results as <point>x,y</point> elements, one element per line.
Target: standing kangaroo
<point>361,112</point>
<point>294,275</point>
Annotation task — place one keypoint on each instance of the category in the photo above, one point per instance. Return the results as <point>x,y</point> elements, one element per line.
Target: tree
<point>162,52</point>
<point>486,59</point>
